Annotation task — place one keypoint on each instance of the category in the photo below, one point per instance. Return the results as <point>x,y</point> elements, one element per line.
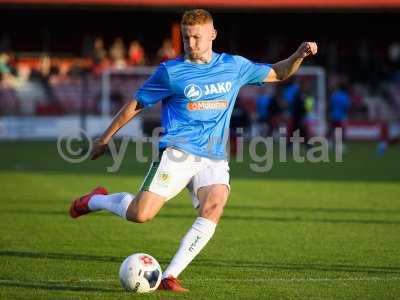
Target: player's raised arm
<point>286,68</point>
<point>126,113</point>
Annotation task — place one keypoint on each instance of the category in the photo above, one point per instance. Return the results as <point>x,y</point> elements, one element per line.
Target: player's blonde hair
<point>196,17</point>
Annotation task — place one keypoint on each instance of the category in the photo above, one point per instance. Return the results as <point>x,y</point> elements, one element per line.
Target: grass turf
<point>301,231</point>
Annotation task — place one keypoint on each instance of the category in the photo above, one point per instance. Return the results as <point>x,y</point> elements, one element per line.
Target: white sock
<point>115,203</point>
<point>195,239</point>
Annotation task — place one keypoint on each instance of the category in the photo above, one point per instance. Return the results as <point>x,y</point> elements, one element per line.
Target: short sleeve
<point>250,72</point>
<point>155,89</point>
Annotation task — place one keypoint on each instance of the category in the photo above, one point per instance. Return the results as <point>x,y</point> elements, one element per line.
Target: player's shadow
<point>219,263</point>
<point>297,267</point>
<point>55,286</point>
<point>35,212</point>
<point>296,209</point>
<point>61,256</point>
<point>229,217</point>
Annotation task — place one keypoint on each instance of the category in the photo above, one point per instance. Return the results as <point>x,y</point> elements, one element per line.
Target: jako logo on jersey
<point>218,88</point>
<point>193,92</point>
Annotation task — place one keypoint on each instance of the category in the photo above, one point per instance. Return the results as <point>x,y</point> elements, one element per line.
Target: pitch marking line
<point>227,280</point>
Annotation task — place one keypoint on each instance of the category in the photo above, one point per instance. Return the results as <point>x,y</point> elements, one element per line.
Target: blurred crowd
<point>120,57</point>
<point>365,81</point>
<point>51,85</point>
<point>15,68</point>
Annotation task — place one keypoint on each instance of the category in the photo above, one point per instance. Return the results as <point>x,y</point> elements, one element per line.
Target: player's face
<point>197,39</point>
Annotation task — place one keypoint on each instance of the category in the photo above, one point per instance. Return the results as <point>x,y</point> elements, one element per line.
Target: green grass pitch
<point>301,231</point>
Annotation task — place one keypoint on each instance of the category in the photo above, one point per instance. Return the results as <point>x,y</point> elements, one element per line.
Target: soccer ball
<point>140,273</point>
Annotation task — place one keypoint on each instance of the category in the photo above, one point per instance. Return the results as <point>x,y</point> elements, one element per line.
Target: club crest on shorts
<point>164,178</point>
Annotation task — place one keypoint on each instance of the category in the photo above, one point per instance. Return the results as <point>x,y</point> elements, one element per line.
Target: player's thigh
<point>213,194</point>
<point>205,183</point>
<point>171,174</point>
<point>212,189</point>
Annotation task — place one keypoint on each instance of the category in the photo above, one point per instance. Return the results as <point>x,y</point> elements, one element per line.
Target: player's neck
<point>205,59</point>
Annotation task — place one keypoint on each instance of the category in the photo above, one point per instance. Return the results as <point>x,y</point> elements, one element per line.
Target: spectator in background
<point>387,136</point>
<point>99,56</point>
<point>394,92</point>
<point>302,106</point>
<point>42,77</point>
<point>289,94</point>
<point>23,75</point>
<point>358,92</point>
<point>386,139</point>
<point>136,54</point>
<point>263,101</point>
<point>99,52</point>
<point>274,115</point>
<point>166,51</point>
<point>6,77</point>
<point>240,119</point>
<point>269,109</point>
<point>339,104</point>
<point>118,54</point>
<point>4,67</point>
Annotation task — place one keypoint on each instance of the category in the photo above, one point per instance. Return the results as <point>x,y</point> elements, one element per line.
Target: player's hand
<point>98,149</point>
<point>306,49</point>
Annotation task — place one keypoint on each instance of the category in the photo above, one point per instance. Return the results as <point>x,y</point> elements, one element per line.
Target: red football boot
<point>171,284</point>
<point>80,206</point>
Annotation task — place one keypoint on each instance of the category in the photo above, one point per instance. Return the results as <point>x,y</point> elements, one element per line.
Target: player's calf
<point>212,201</point>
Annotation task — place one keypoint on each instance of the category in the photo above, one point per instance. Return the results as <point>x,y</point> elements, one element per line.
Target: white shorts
<point>177,170</point>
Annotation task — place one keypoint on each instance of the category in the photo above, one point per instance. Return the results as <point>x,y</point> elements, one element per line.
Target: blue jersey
<point>290,93</point>
<point>340,103</point>
<point>263,103</point>
<point>198,99</point>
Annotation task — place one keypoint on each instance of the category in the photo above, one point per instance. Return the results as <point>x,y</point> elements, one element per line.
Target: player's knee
<point>144,209</point>
<point>139,215</point>
<point>212,211</point>
<point>143,217</point>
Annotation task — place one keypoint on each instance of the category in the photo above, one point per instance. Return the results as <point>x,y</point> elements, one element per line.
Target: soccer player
<point>198,92</point>
<point>339,104</point>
